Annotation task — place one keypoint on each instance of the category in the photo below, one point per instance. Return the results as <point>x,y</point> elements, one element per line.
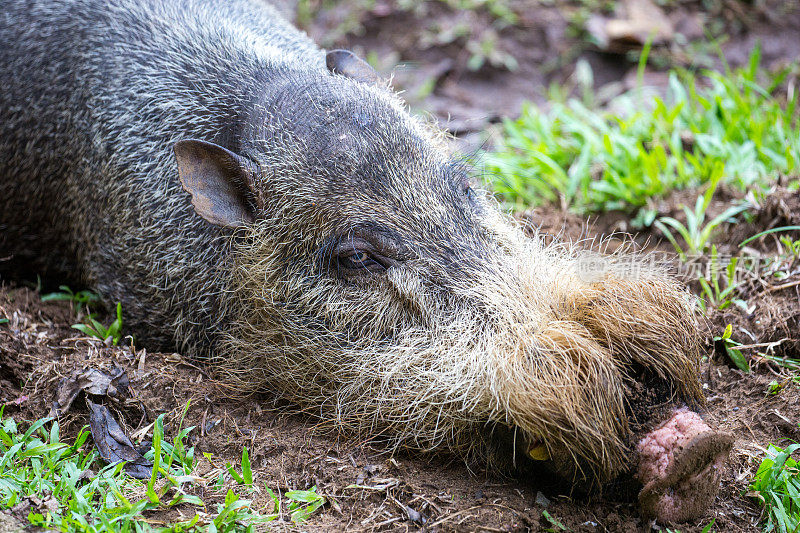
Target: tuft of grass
<point>79,300</point>
<point>246,477</point>
<point>93,328</point>
<point>697,233</point>
<point>71,491</point>
<point>731,348</point>
<point>303,503</point>
<point>555,523</point>
<point>714,294</point>
<point>775,387</point>
<point>792,246</point>
<point>592,160</point>
<point>790,364</point>
<point>36,463</point>
<point>777,486</point>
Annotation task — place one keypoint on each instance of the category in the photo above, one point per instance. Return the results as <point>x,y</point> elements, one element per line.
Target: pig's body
<point>340,258</point>
<point>95,95</point>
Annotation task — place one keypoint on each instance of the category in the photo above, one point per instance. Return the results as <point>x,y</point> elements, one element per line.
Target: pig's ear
<point>348,64</point>
<point>218,180</point>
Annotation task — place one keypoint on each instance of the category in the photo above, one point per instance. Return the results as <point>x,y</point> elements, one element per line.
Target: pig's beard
<point>527,343</point>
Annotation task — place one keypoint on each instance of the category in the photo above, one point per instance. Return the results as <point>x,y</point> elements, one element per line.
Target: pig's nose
<point>680,465</point>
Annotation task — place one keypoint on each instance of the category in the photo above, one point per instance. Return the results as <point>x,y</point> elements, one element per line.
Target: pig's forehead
<point>383,160</point>
<point>366,139</point>
<point>358,132</point>
<point>358,110</point>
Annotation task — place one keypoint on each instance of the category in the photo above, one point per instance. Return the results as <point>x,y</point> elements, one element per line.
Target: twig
<point>784,286</point>
<point>387,522</point>
<point>761,344</point>
<point>473,508</point>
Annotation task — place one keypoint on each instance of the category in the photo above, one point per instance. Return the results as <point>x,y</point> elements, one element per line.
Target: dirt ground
<point>367,490</point>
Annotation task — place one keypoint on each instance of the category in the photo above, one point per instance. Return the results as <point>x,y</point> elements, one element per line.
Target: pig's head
<point>372,284</point>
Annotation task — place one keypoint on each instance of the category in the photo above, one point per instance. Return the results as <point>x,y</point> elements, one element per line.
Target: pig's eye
<point>465,186</point>
<point>359,260</point>
<point>363,252</point>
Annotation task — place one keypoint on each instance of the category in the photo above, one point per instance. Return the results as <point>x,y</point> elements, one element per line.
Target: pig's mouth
<point>680,466</point>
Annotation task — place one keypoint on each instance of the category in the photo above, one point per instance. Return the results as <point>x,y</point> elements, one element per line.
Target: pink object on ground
<point>680,466</point>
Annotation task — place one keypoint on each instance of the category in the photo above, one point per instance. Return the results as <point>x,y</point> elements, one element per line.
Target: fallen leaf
<point>113,384</point>
<point>112,443</point>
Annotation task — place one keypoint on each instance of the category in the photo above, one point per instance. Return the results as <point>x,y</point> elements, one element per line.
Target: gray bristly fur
<point>94,96</point>
<point>477,327</point>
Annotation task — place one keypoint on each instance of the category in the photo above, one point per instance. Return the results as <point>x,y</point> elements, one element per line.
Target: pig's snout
<point>680,466</point>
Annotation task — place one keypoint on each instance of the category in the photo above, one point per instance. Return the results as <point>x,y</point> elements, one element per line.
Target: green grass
<point>718,285</point>
<point>80,494</point>
<point>81,302</point>
<point>697,233</point>
<point>777,487</point>
<point>78,299</point>
<point>94,328</point>
<point>592,160</point>
<point>731,348</point>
